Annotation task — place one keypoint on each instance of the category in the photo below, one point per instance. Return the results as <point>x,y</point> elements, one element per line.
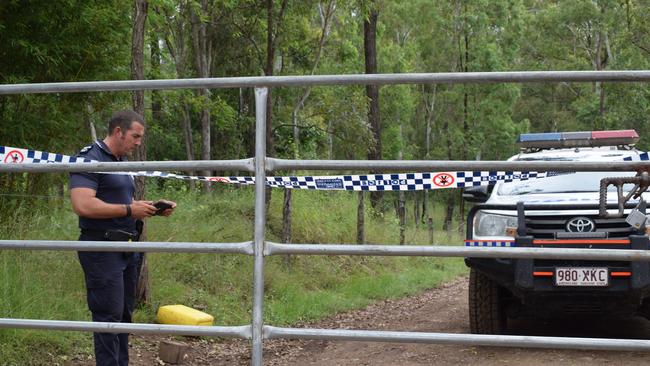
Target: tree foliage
<point>73,40</point>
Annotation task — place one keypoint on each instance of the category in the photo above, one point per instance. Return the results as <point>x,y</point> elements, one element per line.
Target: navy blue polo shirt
<point>110,188</point>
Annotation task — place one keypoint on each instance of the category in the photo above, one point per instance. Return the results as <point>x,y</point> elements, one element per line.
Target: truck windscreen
<point>563,183</point>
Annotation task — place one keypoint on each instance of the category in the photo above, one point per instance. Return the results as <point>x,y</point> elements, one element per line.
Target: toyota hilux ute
<point>557,211</point>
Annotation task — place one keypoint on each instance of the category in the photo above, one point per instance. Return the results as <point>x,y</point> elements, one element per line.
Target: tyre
<point>486,306</point>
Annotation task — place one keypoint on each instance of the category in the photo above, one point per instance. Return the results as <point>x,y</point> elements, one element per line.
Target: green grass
<point>49,284</point>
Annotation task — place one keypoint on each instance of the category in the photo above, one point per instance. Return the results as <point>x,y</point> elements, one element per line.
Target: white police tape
<point>367,182</point>
<point>490,243</point>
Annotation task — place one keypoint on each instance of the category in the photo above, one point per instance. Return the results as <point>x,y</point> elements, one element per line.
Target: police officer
<point>107,211</point>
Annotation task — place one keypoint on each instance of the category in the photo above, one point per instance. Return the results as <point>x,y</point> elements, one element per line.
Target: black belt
<point>111,235</point>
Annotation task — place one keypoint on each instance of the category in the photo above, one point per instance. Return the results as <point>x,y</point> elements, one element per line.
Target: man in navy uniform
<point>107,211</point>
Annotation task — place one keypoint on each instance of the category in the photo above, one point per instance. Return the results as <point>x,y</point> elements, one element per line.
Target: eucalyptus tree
<point>55,41</point>
<point>585,35</point>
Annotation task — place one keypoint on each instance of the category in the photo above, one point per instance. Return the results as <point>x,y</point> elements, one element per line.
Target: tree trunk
<point>202,45</point>
<point>91,125</point>
<point>205,137</point>
<point>372,91</point>
<point>466,132</point>
<point>272,30</point>
<point>603,52</point>
<point>326,15</point>
<point>401,211</point>
<point>361,224</point>
<point>330,139</point>
<point>401,201</point>
<point>601,106</point>
<point>430,104</point>
<point>449,214</point>
<point>461,213</point>
<point>156,95</point>
<point>156,98</point>
<point>425,207</point>
<point>187,136</point>
<point>416,209</point>
<point>177,47</point>
<point>450,200</point>
<point>137,73</point>
<point>286,223</point>
<point>268,71</point>
<point>601,61</point>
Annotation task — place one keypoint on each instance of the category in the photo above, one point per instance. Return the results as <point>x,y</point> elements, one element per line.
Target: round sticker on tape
<point>443,179</point>
<point>219,179</point>
<point>14,157</point>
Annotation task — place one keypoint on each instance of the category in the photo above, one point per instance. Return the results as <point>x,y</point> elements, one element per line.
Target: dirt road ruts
<point>442,309</point>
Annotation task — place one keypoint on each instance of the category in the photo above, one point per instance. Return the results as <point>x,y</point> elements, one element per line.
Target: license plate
<point>581,276</point>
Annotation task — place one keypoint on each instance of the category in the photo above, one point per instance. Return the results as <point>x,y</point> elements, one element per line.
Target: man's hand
<point>142,209</point>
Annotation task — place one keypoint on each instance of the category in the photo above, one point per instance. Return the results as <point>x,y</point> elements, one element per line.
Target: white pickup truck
<point>559,211</point>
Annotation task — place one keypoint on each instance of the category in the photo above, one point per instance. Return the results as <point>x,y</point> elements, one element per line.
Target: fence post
<point>260,223</point>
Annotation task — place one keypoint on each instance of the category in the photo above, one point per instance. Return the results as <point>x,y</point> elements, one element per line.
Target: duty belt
<point>111,235</point>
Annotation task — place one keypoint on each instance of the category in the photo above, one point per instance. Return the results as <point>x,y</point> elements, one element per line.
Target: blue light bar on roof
<point>577,139</point>
<point>529,137</point>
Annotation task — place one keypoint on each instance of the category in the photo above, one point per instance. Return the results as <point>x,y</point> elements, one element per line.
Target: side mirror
<point>478,194</point>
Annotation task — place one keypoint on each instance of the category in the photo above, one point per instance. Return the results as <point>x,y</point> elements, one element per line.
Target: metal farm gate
<point>259,248</point>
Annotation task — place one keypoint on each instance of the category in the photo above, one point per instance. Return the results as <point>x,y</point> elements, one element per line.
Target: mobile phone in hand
<point>161,206</point>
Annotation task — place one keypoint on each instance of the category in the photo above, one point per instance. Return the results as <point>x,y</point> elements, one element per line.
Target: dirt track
<point>442,310</point>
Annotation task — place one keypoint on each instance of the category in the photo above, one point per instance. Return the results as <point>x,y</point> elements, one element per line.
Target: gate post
<point>260,224</point>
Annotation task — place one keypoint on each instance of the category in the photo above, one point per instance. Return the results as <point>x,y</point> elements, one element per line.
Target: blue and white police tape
<point>490,243</point>
<point>367,182</point>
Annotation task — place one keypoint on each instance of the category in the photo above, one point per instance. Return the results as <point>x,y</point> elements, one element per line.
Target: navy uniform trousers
<point>111,280</point>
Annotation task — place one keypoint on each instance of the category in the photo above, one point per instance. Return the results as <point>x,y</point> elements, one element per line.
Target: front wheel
<point>486,305</point>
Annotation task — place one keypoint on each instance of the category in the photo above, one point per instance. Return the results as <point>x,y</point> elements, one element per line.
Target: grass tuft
<point>49,284</point>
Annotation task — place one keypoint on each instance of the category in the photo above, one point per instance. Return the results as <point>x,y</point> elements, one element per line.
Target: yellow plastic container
<point>183,315</point>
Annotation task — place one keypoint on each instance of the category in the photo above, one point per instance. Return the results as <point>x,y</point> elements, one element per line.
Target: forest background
<point>68,40</point>
<point>75,40</point>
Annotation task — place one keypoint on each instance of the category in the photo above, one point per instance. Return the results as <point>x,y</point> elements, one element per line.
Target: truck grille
<point>582,308</point>
<point>545,227</point>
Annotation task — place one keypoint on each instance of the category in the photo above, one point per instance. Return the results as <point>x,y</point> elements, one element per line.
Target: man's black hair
<point>123,119</point>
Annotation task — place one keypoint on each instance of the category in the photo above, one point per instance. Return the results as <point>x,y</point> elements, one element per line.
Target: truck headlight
<point>487,224</point>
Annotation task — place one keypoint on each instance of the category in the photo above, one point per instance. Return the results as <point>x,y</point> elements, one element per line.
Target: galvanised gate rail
<point>259,247</point>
